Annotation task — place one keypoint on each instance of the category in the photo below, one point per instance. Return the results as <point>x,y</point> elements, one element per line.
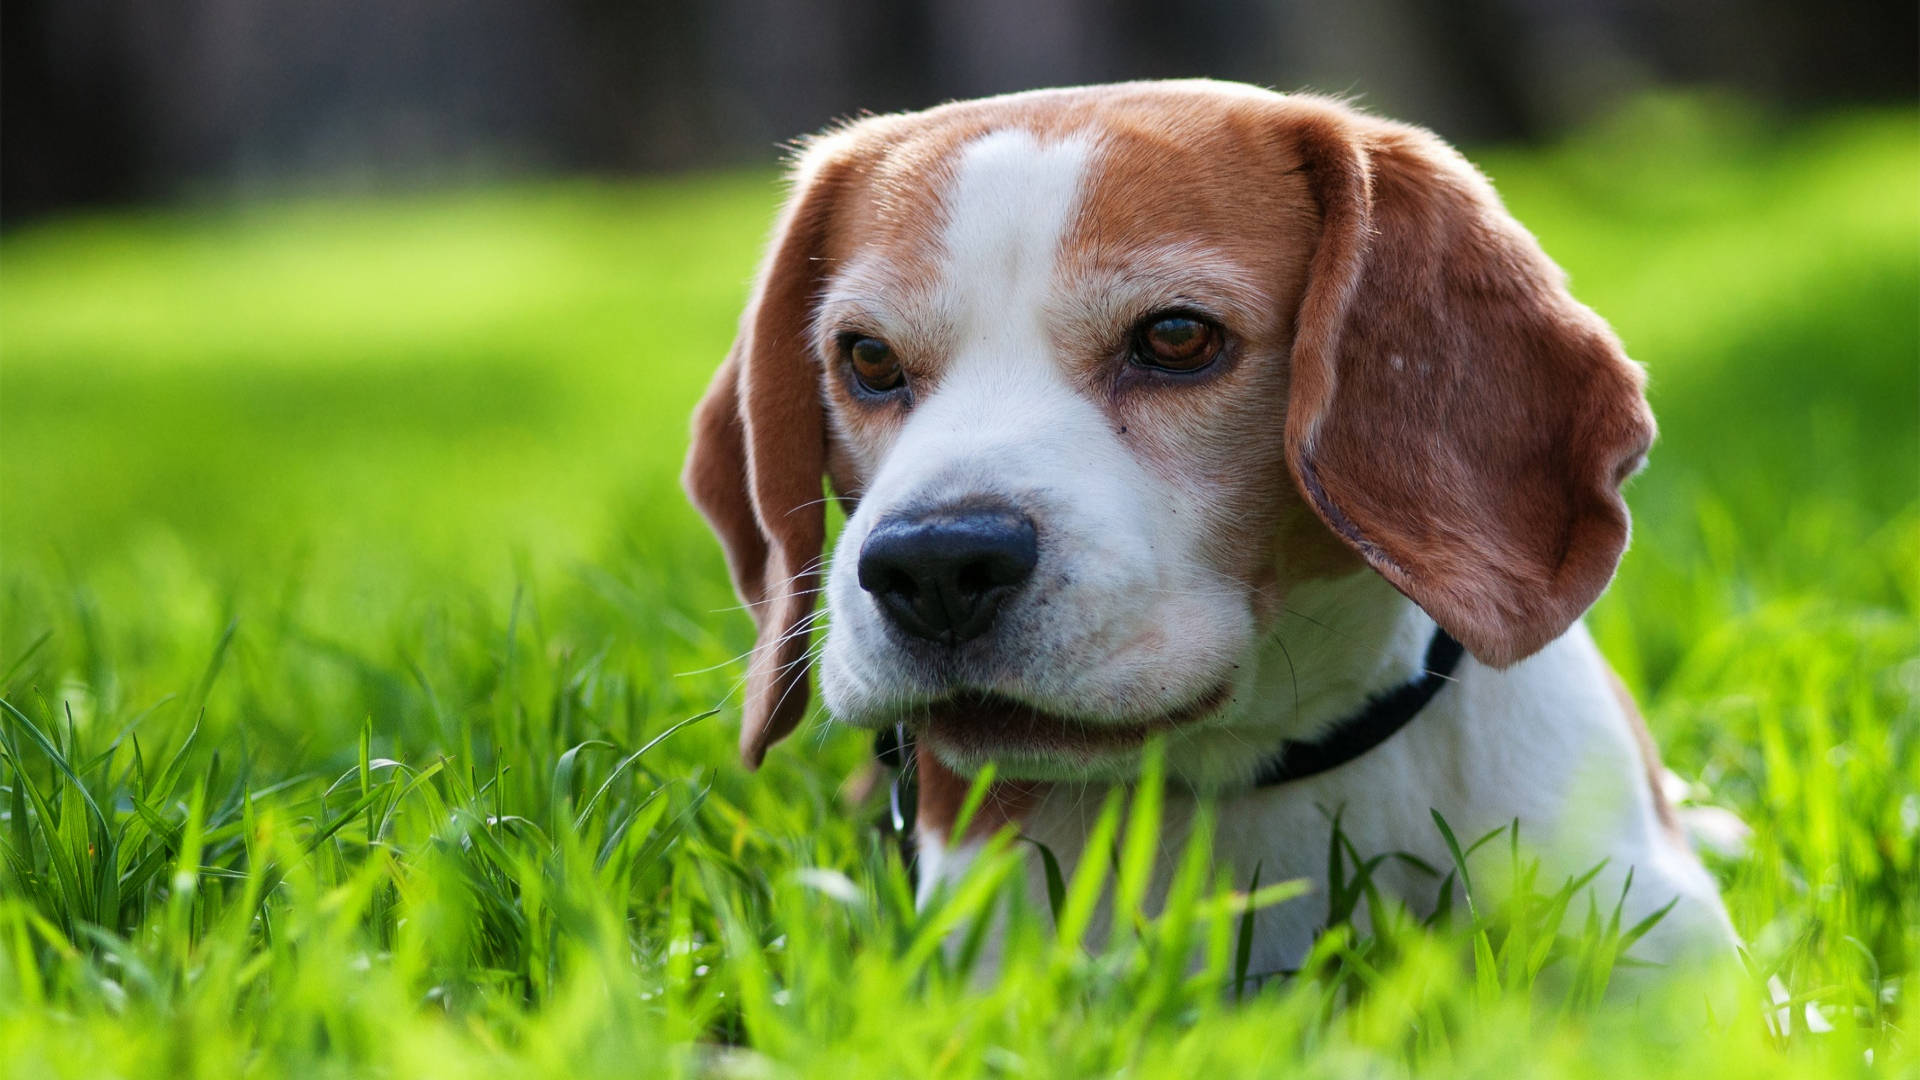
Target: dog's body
<point>1185,410</point>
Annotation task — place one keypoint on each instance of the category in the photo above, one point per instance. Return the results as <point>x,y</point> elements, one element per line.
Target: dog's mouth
<point>977,727</point>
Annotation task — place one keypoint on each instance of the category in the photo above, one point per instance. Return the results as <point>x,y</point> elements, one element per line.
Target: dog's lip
<point>975,724</point>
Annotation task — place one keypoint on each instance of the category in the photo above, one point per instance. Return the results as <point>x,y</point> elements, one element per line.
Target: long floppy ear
<point>1454,414</point>
<point>758,455</point>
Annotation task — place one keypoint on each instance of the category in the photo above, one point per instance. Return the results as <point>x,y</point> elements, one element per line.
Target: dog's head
<point>1100,374</point>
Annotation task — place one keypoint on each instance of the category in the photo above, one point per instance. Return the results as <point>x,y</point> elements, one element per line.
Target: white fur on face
<point>1121,622</point>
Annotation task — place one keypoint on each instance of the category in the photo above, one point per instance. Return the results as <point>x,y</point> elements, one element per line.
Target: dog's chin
<point>1026,742</point>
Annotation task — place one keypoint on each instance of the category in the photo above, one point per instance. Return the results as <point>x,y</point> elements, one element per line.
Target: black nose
<point>942,575</point>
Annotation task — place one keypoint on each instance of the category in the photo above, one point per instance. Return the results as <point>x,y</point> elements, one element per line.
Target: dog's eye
<point>1176,341</point>
<point>875,367</point>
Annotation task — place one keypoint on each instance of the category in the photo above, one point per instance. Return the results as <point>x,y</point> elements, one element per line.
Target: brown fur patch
<point>943,792</point>
<point>755,465</point>
<point>1456,416</point>
<point>1649,757</point>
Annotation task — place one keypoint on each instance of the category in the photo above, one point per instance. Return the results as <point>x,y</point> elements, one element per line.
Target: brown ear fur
<point>758,455</point>
<point>1455,415</point>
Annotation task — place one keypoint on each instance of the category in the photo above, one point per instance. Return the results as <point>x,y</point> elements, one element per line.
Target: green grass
<point>349,607</point>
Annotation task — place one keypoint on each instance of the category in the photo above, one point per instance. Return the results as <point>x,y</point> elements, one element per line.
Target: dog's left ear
<point>758,455</point>
<point>1454,414</point>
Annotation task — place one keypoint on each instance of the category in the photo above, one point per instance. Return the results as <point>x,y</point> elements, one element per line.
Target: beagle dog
<point>1188,411</point>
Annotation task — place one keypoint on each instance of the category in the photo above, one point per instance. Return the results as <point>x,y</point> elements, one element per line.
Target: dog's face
<point>1050,395</point>
<point>1102,374</point>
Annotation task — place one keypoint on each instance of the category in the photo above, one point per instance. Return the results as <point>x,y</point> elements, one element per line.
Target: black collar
<point>1384,714</point>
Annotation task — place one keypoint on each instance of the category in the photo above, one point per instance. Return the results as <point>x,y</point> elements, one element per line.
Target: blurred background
<point>319,318</point>
<point>116,101</point>
<point>347,350</point>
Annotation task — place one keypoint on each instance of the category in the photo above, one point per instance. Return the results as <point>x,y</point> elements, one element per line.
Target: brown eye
<point>875,367</point>
<point>1176,342</point>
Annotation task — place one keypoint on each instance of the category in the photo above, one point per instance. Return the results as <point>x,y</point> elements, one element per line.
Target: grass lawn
<point>348,607</point>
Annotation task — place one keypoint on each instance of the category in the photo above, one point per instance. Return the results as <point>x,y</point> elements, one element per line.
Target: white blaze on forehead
<point>1012,200</point>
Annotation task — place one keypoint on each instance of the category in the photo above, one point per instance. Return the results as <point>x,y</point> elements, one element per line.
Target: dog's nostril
<point>942,575</point>
<point>901,584</point>
<point>974,578</point>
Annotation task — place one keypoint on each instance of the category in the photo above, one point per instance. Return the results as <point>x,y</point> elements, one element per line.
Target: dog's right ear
<point>758,456</point>
<point>1454,414</point>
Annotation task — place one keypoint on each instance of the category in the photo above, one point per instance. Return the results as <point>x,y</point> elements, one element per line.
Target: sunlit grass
<point>348,609</point>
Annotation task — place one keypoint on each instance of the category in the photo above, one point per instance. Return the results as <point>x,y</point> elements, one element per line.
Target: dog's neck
<point>1333,644</point>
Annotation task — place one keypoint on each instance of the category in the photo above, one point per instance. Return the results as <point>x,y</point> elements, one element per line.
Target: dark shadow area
<point>117,101</point>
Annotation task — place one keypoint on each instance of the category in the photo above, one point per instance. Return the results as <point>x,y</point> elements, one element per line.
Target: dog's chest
<point>1522,745</point>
